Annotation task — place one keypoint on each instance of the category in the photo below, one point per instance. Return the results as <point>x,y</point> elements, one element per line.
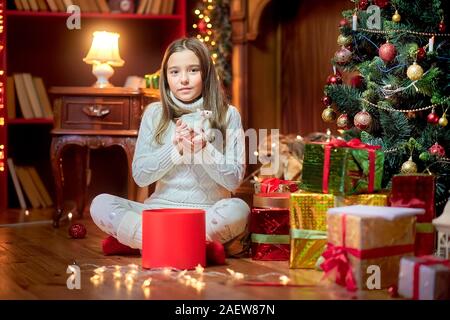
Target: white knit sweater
<point>180,182</point>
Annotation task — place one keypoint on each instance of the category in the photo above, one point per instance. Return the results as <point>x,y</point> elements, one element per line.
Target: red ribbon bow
<point>269,185</point>
<point>428,261</point>
<point>354,144</point>
<point>336,258</point>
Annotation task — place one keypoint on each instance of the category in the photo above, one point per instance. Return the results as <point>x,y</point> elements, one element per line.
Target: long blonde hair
<point>212,92</point>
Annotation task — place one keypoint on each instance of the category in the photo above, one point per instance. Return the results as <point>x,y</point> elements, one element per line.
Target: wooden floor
<point>34,258</point>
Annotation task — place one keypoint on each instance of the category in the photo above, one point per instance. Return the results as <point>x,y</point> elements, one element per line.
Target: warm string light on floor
<point>196,279</point>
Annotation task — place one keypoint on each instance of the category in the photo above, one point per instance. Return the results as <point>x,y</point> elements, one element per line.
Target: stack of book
<point>26,178</point>
<point>31,96</point>
<point>154,7</point>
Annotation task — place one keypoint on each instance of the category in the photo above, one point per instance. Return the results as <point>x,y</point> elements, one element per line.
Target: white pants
<point>122,218</point>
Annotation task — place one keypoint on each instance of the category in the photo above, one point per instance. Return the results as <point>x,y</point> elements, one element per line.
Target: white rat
<point>200,123</point>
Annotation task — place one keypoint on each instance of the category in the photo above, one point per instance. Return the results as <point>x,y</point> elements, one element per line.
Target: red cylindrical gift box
<point>173,238</point>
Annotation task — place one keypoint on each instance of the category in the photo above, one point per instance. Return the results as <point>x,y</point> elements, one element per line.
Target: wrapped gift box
<point>424,278</point>
<point>271,200</point>
<point>308,213</point>
<point>270,247</point>
<point>270,233</point>
<point>417,191</point>
<point>342,168</point>
<point>364,236</point>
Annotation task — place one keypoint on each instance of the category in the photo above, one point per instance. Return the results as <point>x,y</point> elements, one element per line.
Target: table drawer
<point>95,113</point>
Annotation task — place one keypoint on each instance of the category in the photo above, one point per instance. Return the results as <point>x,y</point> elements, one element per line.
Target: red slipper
<point>111,246</point>
<point>215,253</point>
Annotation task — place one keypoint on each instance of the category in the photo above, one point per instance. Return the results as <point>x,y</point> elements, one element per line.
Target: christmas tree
<point>398,53</point>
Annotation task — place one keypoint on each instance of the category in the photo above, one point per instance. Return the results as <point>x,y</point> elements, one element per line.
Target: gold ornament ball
<point>414,72</point>
<point>344,40</point>
<point>409,167</point>
<point>443,121</point>
<point>396,17</point>
<point>328,115</point>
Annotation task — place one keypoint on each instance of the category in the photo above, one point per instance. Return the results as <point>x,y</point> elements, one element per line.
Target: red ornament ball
<point>363,4</point>
<point>393,291</point>
<point>432,118</point>
<point>437,150</point>
<point>326,100</point>
<point>421,54</point>
<point>363,120</point>
<point>381,3</point>
<point>201,25</point>
<point>442,27</point>
<point>77,231</point>
<point>357,81</point>
<point>343,23</point>
<point>387,52</point>
<point>334,79</point>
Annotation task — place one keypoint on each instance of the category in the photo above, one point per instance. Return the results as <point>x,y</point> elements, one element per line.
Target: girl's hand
<point>182,132</point>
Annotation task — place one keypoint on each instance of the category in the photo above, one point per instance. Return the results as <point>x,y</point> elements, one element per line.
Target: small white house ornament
<point>442,225</point>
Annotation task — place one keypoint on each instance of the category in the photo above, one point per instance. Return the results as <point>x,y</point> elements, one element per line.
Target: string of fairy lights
<point>2,96</point>
<point>131,276</point>
<point>204,27</point>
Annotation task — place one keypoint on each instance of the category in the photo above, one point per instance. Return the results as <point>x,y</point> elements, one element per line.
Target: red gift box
<point>417,191</point>
<point>269,221</point>
<point>270,252</point>
<point>270,233</point>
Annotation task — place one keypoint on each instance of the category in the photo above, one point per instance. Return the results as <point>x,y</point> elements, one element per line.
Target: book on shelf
<point>156,7</point>
<point>15,180</point>
<point>60,5</point>
<point>26,5</point>
<point>32,95</point>
<point>42,5</point>
<point>22,96</point>
<point>52,5</point>
<point>103,6</point>
<point>42,190</point>
<point>141,7</point>
<point>43,97</point>
<point>10,98</point>
<point>18,4</point>
<point>33,5</point>
<point>28,186</point>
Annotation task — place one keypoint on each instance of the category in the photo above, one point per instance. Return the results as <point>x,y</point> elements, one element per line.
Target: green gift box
<point>342,168</point>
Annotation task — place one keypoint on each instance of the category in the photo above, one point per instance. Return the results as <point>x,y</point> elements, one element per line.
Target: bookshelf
<point>39,43</point>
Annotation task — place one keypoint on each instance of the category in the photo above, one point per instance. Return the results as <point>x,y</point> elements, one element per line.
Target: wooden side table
<point>94,118</point>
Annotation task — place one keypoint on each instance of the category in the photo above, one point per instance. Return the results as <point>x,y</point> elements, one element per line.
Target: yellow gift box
<point>308,212</point>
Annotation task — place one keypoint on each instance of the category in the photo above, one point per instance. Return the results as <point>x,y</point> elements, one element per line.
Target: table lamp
<point>104,54</point>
